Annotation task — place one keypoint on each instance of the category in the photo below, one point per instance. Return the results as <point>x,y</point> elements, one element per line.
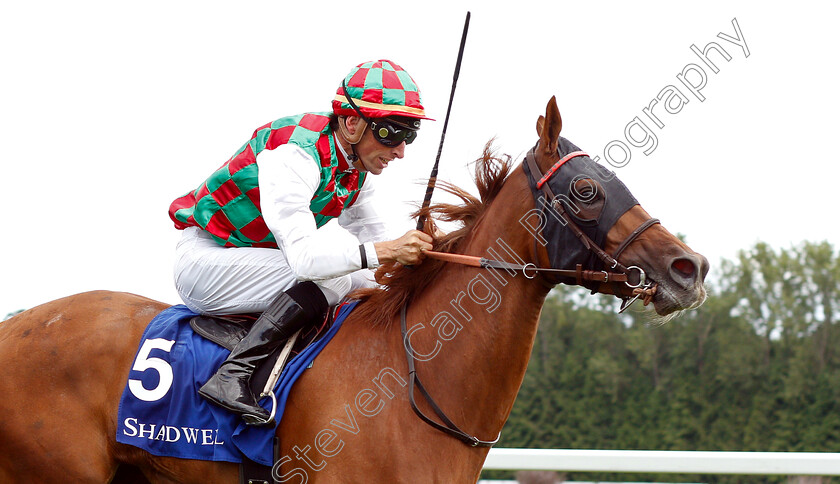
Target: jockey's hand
<point>407,250</point>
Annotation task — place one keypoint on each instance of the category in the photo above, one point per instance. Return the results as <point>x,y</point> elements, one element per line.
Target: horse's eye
<point>585,190</point>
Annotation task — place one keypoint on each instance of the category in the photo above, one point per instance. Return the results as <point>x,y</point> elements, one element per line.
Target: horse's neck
<point>479,325</point>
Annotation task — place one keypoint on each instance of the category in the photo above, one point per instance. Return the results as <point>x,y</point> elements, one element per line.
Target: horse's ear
<point>549,127</point>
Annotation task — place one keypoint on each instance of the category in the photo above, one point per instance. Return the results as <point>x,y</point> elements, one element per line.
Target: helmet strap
<point>354,138</point>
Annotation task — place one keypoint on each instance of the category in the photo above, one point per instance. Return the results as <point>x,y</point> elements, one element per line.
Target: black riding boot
<point>300,306</point>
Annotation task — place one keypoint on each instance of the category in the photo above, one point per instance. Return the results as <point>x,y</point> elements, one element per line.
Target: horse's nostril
<point>684,267</point>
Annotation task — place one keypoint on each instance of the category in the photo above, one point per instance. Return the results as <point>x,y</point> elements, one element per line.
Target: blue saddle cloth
<point>160,408</point>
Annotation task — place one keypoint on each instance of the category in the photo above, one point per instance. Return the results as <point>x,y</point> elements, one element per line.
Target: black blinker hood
<point>564,248</point>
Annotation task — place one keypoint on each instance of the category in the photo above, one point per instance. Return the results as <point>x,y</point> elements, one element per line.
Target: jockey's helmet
<point>379,89</point>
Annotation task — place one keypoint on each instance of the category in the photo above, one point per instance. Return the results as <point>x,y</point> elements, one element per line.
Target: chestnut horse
<point>349,418</point>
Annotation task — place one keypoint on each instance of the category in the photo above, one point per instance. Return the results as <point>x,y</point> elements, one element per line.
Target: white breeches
<point>212,279</point>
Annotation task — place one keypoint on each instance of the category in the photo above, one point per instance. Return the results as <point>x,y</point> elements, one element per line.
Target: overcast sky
<point>110,110</point>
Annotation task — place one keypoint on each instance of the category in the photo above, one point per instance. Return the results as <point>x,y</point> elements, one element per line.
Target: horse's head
<point>584,208</point>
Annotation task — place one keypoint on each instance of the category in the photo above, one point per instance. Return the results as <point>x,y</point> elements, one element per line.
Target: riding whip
<point>433,176</point>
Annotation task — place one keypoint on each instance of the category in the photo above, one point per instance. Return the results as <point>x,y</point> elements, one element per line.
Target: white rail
<point>654,461</point>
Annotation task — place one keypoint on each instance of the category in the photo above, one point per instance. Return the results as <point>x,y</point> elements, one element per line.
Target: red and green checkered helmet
<point>380,89</point>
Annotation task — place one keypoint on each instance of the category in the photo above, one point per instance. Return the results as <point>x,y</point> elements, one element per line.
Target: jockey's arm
<point>288,178</point>
<point>363,220</point>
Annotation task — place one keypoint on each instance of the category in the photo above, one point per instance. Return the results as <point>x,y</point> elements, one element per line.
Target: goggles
<point>388,132</point>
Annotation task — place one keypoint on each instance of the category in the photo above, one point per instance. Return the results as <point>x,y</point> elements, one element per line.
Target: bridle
<point>621,273</point>
<point>617,272</point>
<point>616,275</point>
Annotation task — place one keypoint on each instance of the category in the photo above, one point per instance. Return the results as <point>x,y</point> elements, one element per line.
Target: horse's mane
<point>402,284</point>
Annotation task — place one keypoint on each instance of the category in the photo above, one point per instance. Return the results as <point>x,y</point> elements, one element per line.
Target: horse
<point>353,417</point>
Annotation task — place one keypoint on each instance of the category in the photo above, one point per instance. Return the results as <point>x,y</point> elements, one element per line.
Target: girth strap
<point>251,472</point>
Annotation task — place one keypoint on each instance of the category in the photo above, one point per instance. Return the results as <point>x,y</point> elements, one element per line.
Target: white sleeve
<point>288,178</point>
<point>363,220</point>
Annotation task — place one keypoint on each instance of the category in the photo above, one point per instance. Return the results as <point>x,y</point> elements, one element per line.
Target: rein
<point>449,426</point>
<point>641,289</point>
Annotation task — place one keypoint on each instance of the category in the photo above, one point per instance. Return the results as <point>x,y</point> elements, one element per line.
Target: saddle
<point>228,330</point>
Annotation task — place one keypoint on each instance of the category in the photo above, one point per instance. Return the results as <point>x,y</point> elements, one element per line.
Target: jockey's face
<point>373,155</point>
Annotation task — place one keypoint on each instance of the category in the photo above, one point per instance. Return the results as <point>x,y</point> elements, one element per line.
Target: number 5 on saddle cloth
<point>160,409</point>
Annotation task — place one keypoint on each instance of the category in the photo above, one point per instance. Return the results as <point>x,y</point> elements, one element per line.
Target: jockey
<point>251,241</point>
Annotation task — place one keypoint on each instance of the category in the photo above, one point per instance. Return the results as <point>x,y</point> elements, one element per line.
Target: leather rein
<point>621,274</point>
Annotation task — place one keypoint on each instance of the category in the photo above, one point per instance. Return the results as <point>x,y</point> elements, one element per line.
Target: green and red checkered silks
<point>379,88</point>
<point>227,204</point>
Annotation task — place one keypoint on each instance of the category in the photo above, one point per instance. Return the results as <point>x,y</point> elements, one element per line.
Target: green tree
<point>755,368</point>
